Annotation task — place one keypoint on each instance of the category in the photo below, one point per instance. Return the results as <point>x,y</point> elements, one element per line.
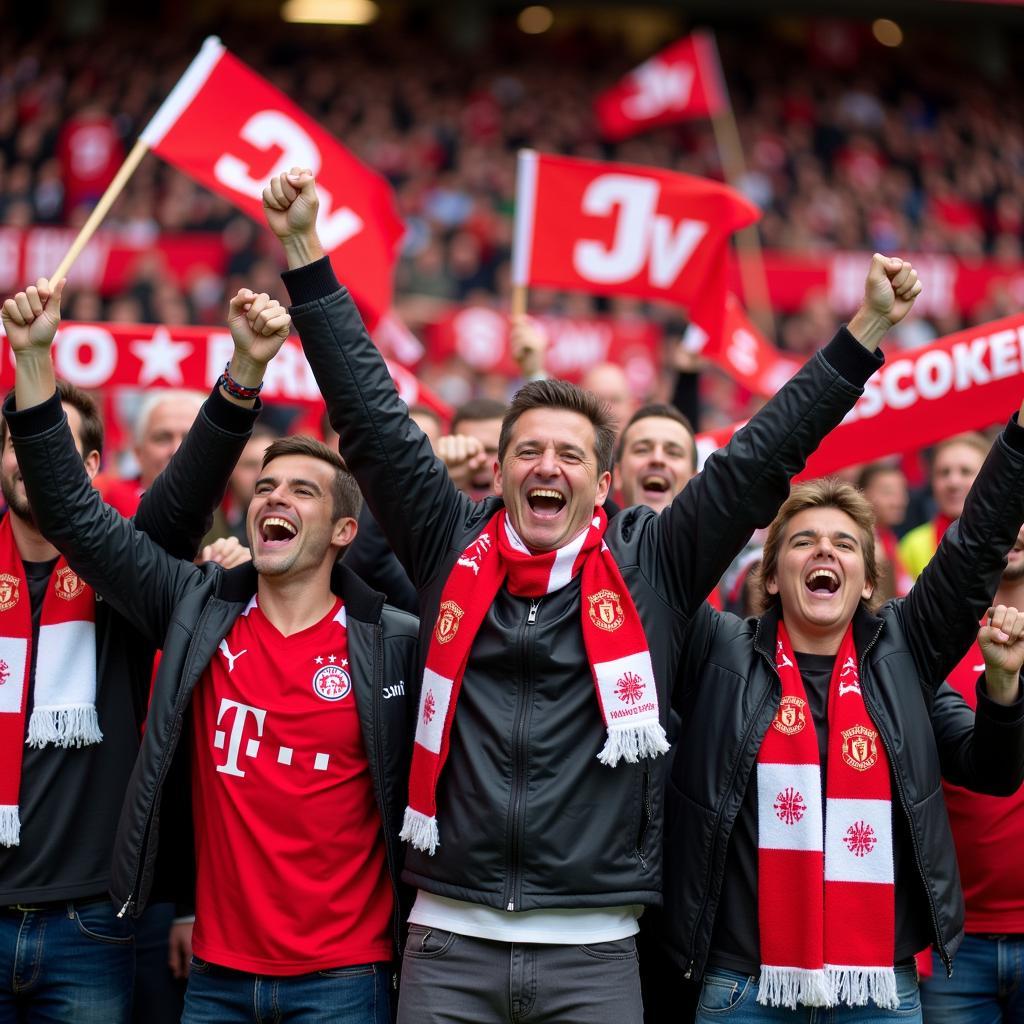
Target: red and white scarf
<point>64,693</point>
<point>613,638</point>
<point>826,899</point>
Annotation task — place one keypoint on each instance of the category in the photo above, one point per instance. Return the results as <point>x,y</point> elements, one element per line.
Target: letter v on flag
<point>684,81</point>
<point>232,131</point>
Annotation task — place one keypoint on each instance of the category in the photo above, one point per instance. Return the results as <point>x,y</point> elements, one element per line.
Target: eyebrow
<point>811,534</point>
<point>560,446</point>
<point>292,482</point>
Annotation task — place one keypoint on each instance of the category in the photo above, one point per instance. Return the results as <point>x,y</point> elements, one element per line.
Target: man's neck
<point>31,544</point>
<point>815,642</point>
<point>294,603</point>
<point>1010,593</point>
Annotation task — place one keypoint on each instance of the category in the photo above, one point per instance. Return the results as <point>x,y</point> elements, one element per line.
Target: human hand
<point>259,326</point>
<point>226,552</point>
<point>463,457</point>
<point>179,948</point>
<point>31,317</point>
<point>528,343</point>
<point>290,203</point>
<point>1001,640</point>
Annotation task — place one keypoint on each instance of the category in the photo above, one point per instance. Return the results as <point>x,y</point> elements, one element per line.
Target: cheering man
<point>550,640</point>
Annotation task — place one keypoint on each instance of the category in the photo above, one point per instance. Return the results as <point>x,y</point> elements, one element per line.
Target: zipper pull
<point>531,618</point>
<point>511,905</point>
<point>127,904</point>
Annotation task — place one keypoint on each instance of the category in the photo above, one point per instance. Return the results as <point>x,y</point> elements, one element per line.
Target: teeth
<point>278,521</point>
<point>823,573</point>
<point>540,492</point>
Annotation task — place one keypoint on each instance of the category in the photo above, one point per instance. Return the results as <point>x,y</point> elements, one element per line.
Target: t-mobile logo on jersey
<point>252,747</point>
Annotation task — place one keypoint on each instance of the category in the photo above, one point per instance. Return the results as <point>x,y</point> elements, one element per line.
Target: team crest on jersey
<point>448,617</point>
<point>606,611</point>
<point>790,718</point>
<point>9,591</point>
<point>860,749</point>
<point>332,682</point>
<point>67,583</point>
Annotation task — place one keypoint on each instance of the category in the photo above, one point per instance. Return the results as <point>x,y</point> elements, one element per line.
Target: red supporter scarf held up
<point>826,899</point>
<point>613,638</point>
<point>64,692</point>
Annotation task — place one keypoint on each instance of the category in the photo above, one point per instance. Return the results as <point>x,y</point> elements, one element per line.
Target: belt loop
<point>71,910</point>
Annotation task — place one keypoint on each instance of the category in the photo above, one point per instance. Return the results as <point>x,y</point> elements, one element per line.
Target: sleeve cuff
<point>314,281</point>
<point>1014,435</point>
<point>36,420</point>
<point>231,418</point>
<point>1003,714</point>
<point>851,359</point>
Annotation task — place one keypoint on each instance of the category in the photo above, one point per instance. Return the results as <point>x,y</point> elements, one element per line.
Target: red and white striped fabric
<point>613,638</point>
<point>826,902</point>
<point>64,695</point>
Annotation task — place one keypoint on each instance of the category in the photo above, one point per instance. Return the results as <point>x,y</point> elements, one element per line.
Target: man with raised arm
<point>550,641</point>
<point>271,743</point>
<point>74,683</point>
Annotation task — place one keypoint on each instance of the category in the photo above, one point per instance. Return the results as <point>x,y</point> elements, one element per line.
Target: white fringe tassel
<point>75,726</point>
<point>10,826</point>
<point>789,986</point>
<point>854,986</point>
<point>420,830</point>
<point>633,742</point>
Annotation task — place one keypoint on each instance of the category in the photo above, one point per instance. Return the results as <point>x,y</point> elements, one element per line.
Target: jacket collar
<point>361,602</point>
<point>865,628</point>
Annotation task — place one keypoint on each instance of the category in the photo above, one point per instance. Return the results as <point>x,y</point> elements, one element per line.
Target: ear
<point>497,478</point>
<point>617,478</point>
<point>771,584</point>
<point>604,482</point>
<point>92,463</point>
<point>344,532</point>
<point>867,591</point>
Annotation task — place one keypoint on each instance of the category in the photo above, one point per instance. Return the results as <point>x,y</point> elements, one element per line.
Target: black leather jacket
<point>731,692</point>
<point>190,610</point>
<point>528,817</point>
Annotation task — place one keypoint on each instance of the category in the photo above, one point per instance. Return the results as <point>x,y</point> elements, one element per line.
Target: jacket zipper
<point>646,822</point>
<point>688,973</point>
<point>165,762</point>
<point>519,760</point>
<point>918,863</point>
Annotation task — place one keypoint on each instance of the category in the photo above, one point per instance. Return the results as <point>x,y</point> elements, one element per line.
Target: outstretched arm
<point>742,486</point>
<point>404,483</point>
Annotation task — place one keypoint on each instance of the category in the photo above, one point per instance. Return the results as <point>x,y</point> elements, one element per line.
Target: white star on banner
<point>332,659</point>
<point>344,662</point>
<point>161,357</point>
<point>319,660</point>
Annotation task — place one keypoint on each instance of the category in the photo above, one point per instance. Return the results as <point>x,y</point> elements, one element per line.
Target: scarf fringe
<point>420,830</point>
<point>788,986</point>
<point>632,743</point>
<point>854,986</point>
<point>76,726</point>
<point>10,826</point>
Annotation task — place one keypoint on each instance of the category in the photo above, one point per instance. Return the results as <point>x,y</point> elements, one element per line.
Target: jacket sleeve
<point>942,611</point>
<point>370,557</point>
<point>177,510</point>
<point>140,580</point>
<point>982,751</point>
<point>742,486</point>
<point>405,485</point>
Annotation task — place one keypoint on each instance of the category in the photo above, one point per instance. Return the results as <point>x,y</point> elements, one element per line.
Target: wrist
<point>36,355</point>
<point>1002,687</point>
<point>245,370</point>
<point>869,326</point>
<point>302,249</point>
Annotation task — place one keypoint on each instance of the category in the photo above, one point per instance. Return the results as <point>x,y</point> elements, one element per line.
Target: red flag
<point>742,351</point>
<point>965,381</point>
<point>684,81</point>
<point>232,131</point>
<point>583,225</point>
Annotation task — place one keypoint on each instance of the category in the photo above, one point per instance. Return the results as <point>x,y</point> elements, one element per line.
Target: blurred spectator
<point>885,486</point>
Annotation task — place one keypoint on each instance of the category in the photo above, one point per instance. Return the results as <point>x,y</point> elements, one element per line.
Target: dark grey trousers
<point>457,979</point>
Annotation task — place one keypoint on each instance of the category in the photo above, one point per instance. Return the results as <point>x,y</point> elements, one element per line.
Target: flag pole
<point>152,135</point>
<point>522,233</point>
<point>748,241</point>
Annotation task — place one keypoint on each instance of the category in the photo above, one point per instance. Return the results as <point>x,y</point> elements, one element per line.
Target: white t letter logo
<point>230,767</point>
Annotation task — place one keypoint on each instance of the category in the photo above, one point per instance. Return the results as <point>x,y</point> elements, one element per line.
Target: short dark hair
<point>478,409</point>
<point>661,410</point>
<point>560,394</point>
<point>345,494</point>
<point>419,409</point>
<point>873,470</point>
<point>91,432</point>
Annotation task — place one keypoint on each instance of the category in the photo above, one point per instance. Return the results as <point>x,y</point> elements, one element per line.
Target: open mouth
<point>275,530</point>
<point>655,483</point>
<point>822,581</point>
<point>545,502</point>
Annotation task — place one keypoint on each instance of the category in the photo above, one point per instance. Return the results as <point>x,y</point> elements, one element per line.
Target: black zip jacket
<point>731,692</point>
<point>70,799</point>
<point>192,609</point>
<point>527,815</point>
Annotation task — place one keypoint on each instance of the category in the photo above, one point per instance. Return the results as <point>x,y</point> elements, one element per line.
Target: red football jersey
<point>292,876</point>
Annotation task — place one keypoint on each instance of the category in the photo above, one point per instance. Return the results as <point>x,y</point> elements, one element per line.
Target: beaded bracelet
<point>233,388</point>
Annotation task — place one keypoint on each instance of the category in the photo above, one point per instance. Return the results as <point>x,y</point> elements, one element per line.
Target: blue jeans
<point>730,996</point>
<point>66,964</point>
<point>985,988</point>
<point>341,995</point>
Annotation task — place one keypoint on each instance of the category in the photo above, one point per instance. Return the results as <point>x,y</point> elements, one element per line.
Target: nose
<point>824,548</point>
<point>548,464</point>
<point>657,456</point>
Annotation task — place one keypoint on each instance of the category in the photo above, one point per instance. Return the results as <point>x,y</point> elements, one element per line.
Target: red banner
<point>682,82</point>
<point>479,336</point>
<point>232,131</point>
<point>582,225</point>
<point>104,355</point>
<point>966,381</point>
<point>109,260</point>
